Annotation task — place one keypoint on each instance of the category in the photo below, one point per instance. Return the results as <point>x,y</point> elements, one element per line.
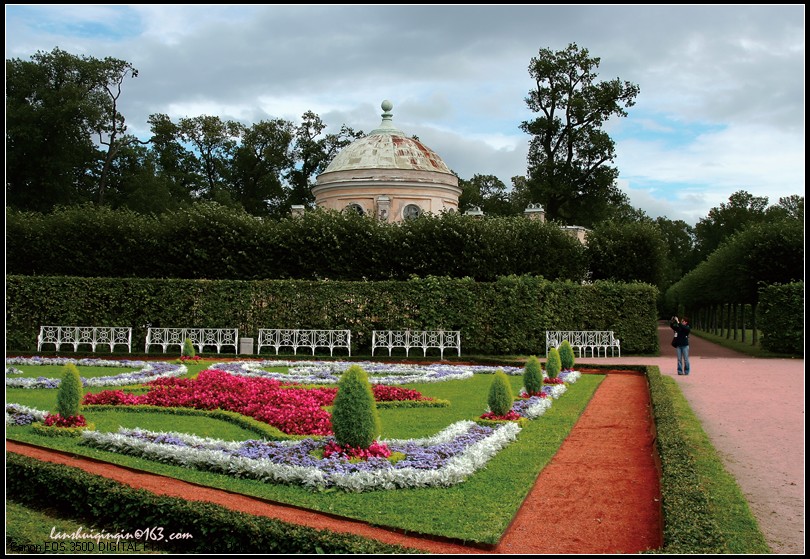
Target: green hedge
<point>216,242</point>
<point>75,493</point>
<point>781,318</point>
<point>507,316</point>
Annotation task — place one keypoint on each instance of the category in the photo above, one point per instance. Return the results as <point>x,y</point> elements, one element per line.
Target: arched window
<point>357,208</point>
<point>411,211</point>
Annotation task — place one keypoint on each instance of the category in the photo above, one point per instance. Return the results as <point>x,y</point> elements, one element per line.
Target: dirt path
<point>611,508</point>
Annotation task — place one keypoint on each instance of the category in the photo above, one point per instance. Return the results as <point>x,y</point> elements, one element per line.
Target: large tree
<point>487,192</point>
<point>742,210</point>
<point>259,164</point>
<point>63,128</point>
<point>569,170</point>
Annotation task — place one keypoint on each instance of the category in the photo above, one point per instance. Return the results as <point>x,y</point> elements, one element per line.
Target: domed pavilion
<point>389,175</point>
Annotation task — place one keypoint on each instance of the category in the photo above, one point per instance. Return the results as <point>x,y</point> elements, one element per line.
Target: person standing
<point>681,342</point>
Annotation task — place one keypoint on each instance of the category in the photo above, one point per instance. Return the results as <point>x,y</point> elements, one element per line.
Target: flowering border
<point>148,372</point>
<point>328,372</point>
<point>461,449</point>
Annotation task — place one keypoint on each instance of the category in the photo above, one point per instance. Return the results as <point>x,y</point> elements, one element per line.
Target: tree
<point>486,192</point>
<point>519,195</point>
<point>177,167</point>
<point>259,164</point>
<point>789,207</point>
<point>214,142</point>
<point>743,209</point>
<point>569,153</point>
<point>312,152</point>
<point>50,116</point>
<point>679,238</point>
<point>110,127</point>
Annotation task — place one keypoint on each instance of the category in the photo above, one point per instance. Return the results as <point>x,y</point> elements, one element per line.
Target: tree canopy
<point>569,170</point>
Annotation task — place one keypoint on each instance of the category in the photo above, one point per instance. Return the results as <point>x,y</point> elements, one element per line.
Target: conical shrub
<point>69,396</point>
<point>533,375</point>
<point>566,356</point>
<point>500,394</point>
<point>355,420</point>
<point>188,348</point>
<point>553,363</point>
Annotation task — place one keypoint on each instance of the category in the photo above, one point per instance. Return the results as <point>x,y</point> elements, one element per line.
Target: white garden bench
<point>598,341</point>
<point>200,338</point>
<point>295,338</point>
<point>78,335</point>
<point>423,339</point>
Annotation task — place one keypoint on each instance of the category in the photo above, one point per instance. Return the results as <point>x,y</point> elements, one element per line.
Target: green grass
<point>727,503</point>
<point>29,531</point>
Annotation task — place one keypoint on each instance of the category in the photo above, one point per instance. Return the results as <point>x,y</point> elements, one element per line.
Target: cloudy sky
<point>720,109</point>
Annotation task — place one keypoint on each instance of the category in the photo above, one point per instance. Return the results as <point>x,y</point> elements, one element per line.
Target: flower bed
<point>443,460</point>
<point>148,372</point>
<point>328,372</point>
<point>293,410</point>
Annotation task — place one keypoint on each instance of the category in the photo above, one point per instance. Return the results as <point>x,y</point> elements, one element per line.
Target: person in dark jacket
<point>682,329</point>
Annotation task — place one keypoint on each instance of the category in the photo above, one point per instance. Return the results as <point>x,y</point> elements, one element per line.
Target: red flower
<point>70,421</point>
<point>511,415</point>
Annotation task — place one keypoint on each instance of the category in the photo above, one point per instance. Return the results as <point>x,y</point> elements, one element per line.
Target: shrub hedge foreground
<point>704,511</point>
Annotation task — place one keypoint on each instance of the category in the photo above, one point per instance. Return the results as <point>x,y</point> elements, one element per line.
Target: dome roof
<point>387,147</point>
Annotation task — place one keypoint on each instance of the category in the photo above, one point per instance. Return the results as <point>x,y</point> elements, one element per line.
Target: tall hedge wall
<point>507,316</point>
<point>781,312</point>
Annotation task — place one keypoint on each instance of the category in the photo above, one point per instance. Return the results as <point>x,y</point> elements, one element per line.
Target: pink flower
<point>70,421</point>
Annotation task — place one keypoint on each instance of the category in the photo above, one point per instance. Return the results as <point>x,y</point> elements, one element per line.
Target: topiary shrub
<point>69,397</point>
<point>355,420</point>
<point>566,356</point>
<point>533,376</point>
<point>500,394</point>
<point>553,363</point>
<point>188,349</point>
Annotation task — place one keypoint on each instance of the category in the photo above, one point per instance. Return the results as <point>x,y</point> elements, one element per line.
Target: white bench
<point>598,341</point>
<point>200,338</point>
<point>424,339</point>
<point>92,335</point>
<point>295,338</point>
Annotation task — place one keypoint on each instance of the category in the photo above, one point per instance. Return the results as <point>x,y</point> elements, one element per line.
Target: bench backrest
<point>91,335</point>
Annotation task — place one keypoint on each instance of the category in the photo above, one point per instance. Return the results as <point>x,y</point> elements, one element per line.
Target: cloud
<point>721,103</point>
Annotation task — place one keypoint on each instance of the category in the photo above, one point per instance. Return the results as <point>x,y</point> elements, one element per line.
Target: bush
<point>69,397</point>
<point>188,349</point>
<point>500,394</point>
<point>553,363</point>
<point>355,420</point>
<point>566,356</point>
<point>533,376</point>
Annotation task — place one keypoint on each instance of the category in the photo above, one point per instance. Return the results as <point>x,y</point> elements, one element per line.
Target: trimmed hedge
<point>506,317</point>
<point>211,241</point>
<point>781,318</point>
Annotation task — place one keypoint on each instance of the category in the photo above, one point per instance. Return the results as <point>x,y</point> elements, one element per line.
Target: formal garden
<point>447,450</point>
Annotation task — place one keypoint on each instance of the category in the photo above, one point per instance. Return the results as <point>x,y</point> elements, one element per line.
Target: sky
<point>720,108</point>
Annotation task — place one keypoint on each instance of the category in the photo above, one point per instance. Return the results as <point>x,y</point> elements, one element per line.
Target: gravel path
<point>753,412</point>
